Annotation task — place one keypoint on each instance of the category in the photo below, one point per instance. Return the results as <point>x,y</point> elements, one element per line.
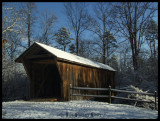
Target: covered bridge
<point>51,72</point>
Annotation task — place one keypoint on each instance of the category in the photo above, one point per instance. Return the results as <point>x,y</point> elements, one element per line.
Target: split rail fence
<point>110,90</point>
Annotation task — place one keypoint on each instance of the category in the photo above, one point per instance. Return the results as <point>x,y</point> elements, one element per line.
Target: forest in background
<point>124,36</point>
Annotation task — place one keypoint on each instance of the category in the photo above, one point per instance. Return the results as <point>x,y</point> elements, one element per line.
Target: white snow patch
<point>73,110</point>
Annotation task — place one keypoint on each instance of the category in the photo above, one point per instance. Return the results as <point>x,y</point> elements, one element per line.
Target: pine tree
<point>110,44</point>
<point>151,36</point>
<point>72,48</point>
<point>114,62</point>
<point>63,37</point>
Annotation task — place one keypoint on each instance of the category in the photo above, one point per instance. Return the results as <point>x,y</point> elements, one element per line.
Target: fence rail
<point>115,90</point>
<point>88,88</point>
<point>131,99</point>
<point>90,95</point>
<point>143,93</point>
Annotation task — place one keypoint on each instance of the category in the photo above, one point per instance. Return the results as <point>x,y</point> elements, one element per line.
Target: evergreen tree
<point>72,48</point>
<point>63,37</point>
<point>110,44</point>
<point>151,36</point>
<point>114,62</point>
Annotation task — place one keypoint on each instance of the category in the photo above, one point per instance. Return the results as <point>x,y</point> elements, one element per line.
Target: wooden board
<point>82,76</point>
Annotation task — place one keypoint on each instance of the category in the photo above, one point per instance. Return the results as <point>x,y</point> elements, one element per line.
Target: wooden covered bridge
<point>51,72</point>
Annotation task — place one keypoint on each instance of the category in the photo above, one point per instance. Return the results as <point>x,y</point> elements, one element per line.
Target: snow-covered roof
<point>65,56</point>
<point>74,58</point>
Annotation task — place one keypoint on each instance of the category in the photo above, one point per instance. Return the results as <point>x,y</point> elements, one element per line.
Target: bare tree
<point>131,19</point>
<point>11,23</point>
<point>47,21</point>
<point>11,17</point>
<point>12,30</point>
<point>28,10</point>
<point>78,17</point>
<point>102,27</point>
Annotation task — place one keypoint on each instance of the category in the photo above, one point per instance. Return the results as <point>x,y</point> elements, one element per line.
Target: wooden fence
<point>114,90</point>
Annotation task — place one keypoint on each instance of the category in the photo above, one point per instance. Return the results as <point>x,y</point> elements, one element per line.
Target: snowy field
<point>73,110</point>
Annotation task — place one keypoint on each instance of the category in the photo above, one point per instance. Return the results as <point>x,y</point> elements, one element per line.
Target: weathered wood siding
<point>83,76</point>
<point>69,73</point>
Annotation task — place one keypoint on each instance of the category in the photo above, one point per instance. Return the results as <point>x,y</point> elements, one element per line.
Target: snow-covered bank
<point>73,110</point>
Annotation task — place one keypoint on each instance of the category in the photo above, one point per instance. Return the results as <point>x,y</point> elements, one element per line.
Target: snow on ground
<point>73,110</point>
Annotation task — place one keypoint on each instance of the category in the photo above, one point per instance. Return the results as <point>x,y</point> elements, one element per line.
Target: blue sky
<point>58,9</point>
<point>55,7</point>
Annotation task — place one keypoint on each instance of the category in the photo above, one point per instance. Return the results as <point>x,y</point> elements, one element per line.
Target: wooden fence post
<point>155,94</point>
<point>109,94</point>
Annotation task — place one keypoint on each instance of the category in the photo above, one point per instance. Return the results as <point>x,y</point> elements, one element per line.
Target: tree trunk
<point>154,50</point>
<point>77,45</point>
<point>134,52</point>
<point>104,52</point>
<point>150,45</point>
<point>107,42</point>
<point>29,41</point>
<point>135,62</point>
